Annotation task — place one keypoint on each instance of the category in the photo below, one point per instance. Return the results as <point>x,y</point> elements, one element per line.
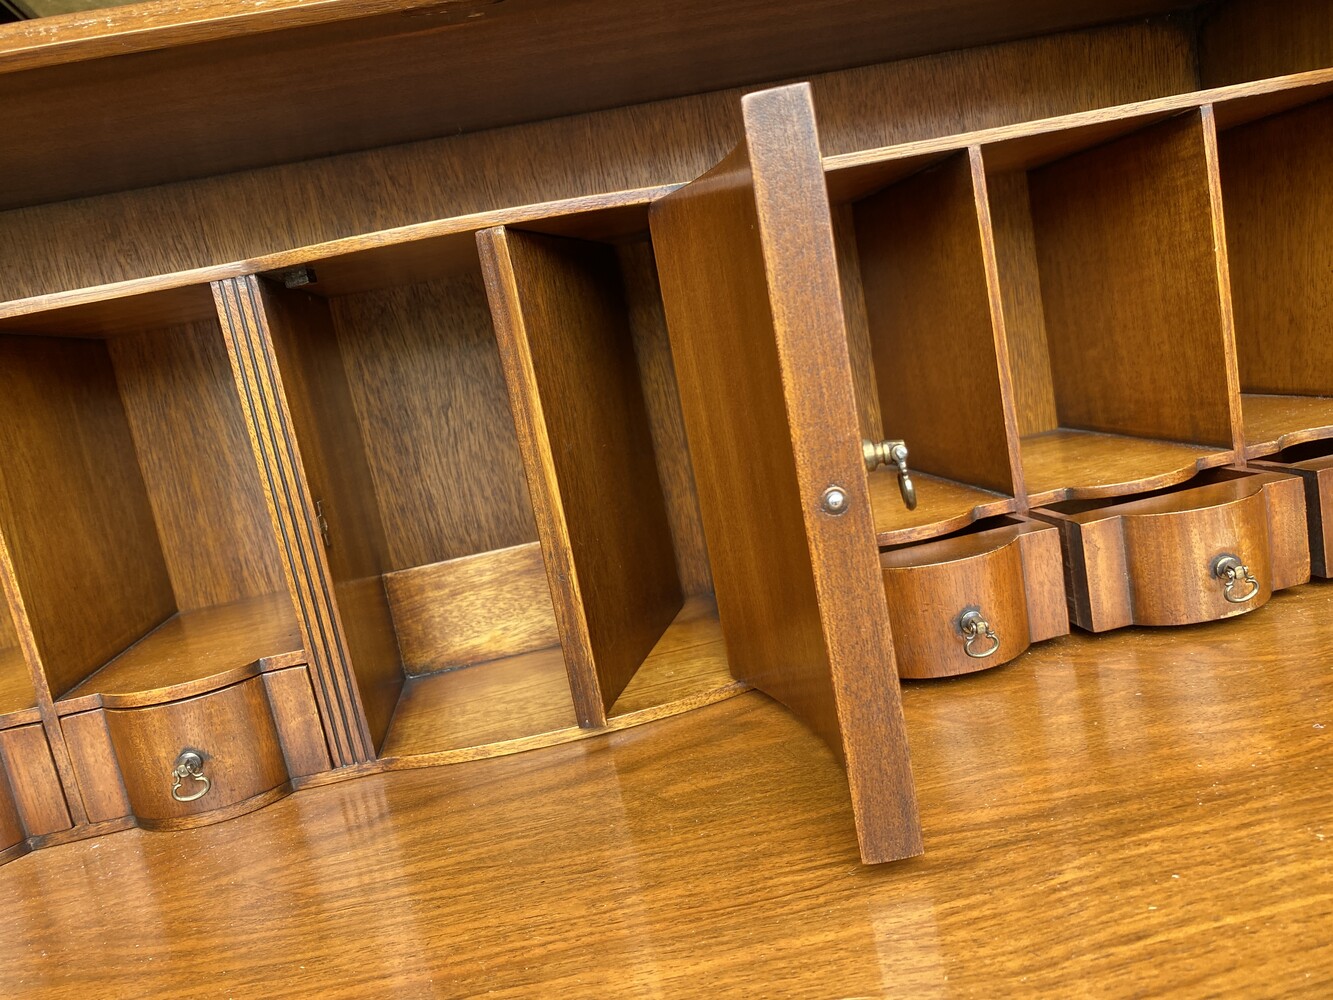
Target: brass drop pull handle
<point>975,630</point>
<point>1231,571</point>
<point>189,767</point>
<point>877,453</point>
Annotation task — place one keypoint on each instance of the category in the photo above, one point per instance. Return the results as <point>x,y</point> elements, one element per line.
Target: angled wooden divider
<point>750,281</point>
<point>562,327</point>
<point>245,316</point>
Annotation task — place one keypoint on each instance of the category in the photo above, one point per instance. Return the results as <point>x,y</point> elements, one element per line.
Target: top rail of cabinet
<point>1030,144</point>
<point>417,251</point>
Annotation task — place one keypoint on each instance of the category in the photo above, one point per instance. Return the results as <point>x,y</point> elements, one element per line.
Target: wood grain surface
<point>74,507</point>
<point>1279,227</point>
<point>1067,464</point>
<point>562,324</point>
<point>1273,423</point>
<point>1129,283</point>
<point>942,506</point>
<point>189,435</point>
<point>244,215</point>
<point>16,690</point>
<point>1316,474</point>
<point>937,349</point>
<point>746,257</point>
<point>470,610</point>
<point>1152,807</point>
<point>1251,39</point>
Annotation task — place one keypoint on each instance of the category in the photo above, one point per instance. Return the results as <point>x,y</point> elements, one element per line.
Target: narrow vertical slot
<point>937,352</point>
<point>577,392</point>
<point>1115,308</point>
<point>1277,192</point>
<point>140,541</point>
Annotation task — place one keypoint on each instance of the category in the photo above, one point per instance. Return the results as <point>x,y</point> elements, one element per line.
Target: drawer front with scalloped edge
<point>1195,554</point>
<point>975,600</point>
<point>1316,475</point>
<point>201,755</point>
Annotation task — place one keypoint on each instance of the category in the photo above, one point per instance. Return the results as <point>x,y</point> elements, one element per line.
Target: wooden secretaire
<point>396,384</point>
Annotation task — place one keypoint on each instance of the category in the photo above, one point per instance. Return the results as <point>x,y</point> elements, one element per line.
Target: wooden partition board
<point>749,276</point>
<point>941,363</point>
<point>74,508</point>
<point>1132,267</point>
<point>283,427</point>
<point>1252,39</point>
<point>1277,190</point>
<point>563,327</point>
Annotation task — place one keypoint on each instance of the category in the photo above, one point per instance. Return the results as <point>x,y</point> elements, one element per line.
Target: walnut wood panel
<point>12,835</point>
<point>243,215</point>
<point>1273,423</point>
<point>38,797</point>
<point>296,718</point>
<point>232,730</point>
<point>562,326</point>
<point>1020,287</point>
<point>153,117</point>
<point>291,505</point>
<point>190,438</point>
<point>938,351</point>
<point>1250,39</point>
<point>196,646</point>
<point>859,346</point>
<point>16,690</point>
<point>1276,176</point>
<point>1150,561</point>
<point>1068,464</point>
<point>100,788</point>
<point>1011,575</point>
<point>750,281</point>
<point>1316,474</point>
<point>74,508</point>
<point>1131,776</point>
<point>666,423</point>
<point>425,378</point>
<point>1137,327</point>
<point>473,609</point>
<point>689,661</point>
<point>337,472</point>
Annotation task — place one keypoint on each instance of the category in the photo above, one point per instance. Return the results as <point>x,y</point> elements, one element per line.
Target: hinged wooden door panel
<point>750,282</point>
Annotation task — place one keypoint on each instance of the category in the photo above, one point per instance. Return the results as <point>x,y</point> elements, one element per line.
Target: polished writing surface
<point>1105,816</point>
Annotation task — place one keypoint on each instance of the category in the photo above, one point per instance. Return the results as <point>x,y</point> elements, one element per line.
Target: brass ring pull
<point>974,629</point>
<point>1231,571</point>
<point>189,765</point>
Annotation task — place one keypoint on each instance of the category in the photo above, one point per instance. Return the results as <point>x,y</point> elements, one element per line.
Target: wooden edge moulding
<point>806,425</point>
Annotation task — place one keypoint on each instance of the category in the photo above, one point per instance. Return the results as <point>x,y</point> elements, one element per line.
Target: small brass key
<point>877,453</point>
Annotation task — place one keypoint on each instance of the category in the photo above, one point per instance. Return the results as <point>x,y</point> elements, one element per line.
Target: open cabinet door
<point>750,282</point>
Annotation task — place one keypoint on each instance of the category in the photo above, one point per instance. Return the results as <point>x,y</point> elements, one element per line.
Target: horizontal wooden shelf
<point>942,506</point>
<point>1276,422</point>
<point>1075,465</point>
<point>523,702</point>
<point>195,651</point>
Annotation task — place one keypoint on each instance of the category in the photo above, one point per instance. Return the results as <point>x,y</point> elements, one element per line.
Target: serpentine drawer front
<point>975,600</point>
<point>1316,474</point>
<point>1194,554</point>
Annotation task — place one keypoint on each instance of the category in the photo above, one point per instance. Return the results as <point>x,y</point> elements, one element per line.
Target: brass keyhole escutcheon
<point>977,633</point>
<point>1231,571</point>
<point>189,767</point>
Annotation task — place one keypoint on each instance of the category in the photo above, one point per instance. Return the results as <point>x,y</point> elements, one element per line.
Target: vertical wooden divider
<point>245,321</point>
<point>561,322</point>
<point>750,280</point>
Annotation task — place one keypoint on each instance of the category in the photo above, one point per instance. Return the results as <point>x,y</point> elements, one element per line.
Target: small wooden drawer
<point>1162,559</point>
<point>1316,474</point>
<point>230,730</point>
<point>1005,582</point>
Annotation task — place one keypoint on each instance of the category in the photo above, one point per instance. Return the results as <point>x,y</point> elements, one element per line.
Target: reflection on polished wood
<point>1276,422</point>
<point>1076,465</point>
<point>1104,817</point>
